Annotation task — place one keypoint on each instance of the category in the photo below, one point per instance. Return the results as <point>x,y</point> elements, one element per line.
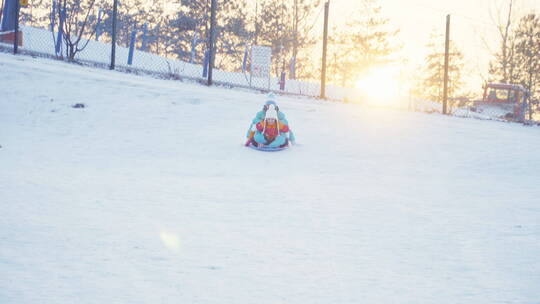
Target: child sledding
<point>269,130</point>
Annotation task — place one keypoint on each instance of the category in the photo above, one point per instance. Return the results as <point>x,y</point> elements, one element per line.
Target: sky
<point>473,27</point>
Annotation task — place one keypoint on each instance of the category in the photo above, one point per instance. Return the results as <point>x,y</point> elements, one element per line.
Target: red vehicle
<point>503,93</point>
<point>503,100</point>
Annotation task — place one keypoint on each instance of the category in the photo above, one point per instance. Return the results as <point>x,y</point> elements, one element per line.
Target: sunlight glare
<point>381,86</point>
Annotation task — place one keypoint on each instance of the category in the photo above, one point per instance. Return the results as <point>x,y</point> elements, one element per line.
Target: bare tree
<point>528,54</point>
<point>286,27</point>
<point>76,25</point>
<point>504,67</point>
<point>302,12</point>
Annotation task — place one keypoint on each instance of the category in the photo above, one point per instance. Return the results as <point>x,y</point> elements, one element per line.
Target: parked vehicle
<point>506,101</point>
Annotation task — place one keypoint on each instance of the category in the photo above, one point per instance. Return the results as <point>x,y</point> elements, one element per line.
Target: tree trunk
<point>505,60</point>
<point>295,41</point>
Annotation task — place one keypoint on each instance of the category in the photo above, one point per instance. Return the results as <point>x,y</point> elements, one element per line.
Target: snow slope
<point>148,196</point>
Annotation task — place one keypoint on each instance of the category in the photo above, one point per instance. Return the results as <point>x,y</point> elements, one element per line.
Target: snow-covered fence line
<point>39,41</point>
<point>469,110</point>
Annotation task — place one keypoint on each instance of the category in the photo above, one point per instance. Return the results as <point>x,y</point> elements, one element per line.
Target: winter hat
<point>271,113</point>
<point>271,97</point>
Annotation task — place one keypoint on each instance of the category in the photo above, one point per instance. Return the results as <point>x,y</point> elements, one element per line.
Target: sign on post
<point>261,59</point>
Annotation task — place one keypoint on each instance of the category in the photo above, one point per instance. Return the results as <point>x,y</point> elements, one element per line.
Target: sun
<point>381,85</point>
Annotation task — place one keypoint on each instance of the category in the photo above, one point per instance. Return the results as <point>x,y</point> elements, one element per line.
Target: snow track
<point>147,195</point>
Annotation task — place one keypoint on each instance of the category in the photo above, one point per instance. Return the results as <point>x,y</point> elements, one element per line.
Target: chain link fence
<point>169,41</point>
<point>514,105</point>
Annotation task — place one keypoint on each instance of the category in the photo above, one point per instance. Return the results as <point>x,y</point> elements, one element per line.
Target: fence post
<point>131,47</point>
<point>325,44</point>
<point>113,46</point>
<point>16,37</point>
<point>523,110</point>
<point>59,36</point>
<point>446,59</point>
<point>282,81</point>
<point>212,41</point>
<point>206,63</point>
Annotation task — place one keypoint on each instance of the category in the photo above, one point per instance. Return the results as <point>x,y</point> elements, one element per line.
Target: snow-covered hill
<point>147,195</point>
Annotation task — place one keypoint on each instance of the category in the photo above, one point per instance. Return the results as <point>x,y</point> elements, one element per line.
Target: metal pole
<point>16,38</point>
<point>1,9</point>
<point>531,73</point>
<point>325,44</point>
<point>113,46</point>
<point>60,35</point>
<point>256,22</point>
<point>131,47</point>
<point>212,40</point>
<point>446,60</point>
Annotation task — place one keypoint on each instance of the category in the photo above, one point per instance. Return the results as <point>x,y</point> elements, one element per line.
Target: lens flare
<point>170,240</point>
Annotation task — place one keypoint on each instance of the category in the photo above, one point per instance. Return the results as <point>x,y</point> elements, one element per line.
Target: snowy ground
<point>148,196</point>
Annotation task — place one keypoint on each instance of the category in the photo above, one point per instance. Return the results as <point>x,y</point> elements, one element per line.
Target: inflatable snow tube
<point>267,148</point>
